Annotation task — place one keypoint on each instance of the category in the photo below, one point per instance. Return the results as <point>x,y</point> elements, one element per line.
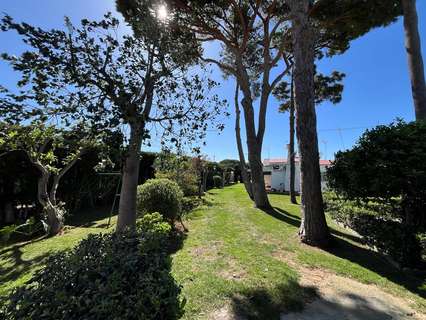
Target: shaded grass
<point>19,261</point>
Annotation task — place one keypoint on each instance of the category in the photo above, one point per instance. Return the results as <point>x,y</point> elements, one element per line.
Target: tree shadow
<point>270,303</point>
<point>294,220</point>
<point>346,306</point>
<point>283,216</point>
<point>89,217</point>
<point>342,247</point>
<point>377,263</point>
<point>16,264</point>
<point>177,239</point>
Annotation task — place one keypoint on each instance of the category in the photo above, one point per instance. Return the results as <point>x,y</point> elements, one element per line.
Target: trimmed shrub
<point>160,195</point>
<point>106,276</point>
<point>217,181</point>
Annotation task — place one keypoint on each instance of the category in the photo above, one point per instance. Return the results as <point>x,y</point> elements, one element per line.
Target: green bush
<point>386,163</point>
<point>180,169</point>
<point>160,195</point>
<point>186,180</point>
<point>374,222</point>
<point>217,181</point>
<point>106,276</point>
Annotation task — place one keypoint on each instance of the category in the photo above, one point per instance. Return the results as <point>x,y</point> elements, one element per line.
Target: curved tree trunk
<point>243,167</point>
<point>254,142</point>
<point>291,147</point>
<point>130,178</point>
<point>55,220</point>
<point>313,229</point>
<point>254,149</point>
<point>415,60</point>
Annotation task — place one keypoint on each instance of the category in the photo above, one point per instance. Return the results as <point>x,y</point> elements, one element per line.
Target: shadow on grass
<point>294,220</point>
<point>177,239</point>
<point>270,303</point>
<point>377,263</point>
<point>369,259</point>
<point>89,217</point>
<point>348,306</point>
<point>14,266</point>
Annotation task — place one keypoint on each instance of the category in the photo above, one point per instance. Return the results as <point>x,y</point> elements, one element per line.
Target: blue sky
<point>377,88</point>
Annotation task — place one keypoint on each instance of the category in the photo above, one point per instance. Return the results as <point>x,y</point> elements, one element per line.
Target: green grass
<point>19,261</point>
<point>230,258</point>
<point>231,237</point>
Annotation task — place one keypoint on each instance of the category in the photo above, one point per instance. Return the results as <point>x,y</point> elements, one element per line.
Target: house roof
<point>267,162</point>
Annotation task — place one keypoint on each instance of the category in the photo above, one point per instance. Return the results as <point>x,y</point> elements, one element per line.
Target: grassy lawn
<point>238,256</point>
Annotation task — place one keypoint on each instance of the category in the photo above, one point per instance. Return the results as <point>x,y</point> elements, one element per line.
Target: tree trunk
<point>130,178</point>
<point>254,142</point>
<point>415,60</point>
<point>55,220</point>
<point>243,167</point>
<point>313,229</point>
<point>256,170</point>
<point>57,178</point>
<point>291,146</point>
<point>205,174</point>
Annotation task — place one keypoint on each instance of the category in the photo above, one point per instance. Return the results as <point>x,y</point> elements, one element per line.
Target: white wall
<point>280,178</point>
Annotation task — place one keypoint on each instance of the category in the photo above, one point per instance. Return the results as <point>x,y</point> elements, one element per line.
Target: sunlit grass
<point>229,258</point>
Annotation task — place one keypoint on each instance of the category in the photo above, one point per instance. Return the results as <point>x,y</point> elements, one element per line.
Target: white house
<point>277,174</point>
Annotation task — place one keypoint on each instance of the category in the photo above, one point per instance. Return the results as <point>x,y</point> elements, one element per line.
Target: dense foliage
<point>92,73</point>
<point>160,195</point>
<point>387,162</point>
<point>42,145</point>
<point>177,168</point>
<point>107,276</point>
<point>217,180</point>
<point>373,221</point>
<point>387,167</point>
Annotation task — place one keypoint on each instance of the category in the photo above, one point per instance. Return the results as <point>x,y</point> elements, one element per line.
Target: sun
<point>162,12</point>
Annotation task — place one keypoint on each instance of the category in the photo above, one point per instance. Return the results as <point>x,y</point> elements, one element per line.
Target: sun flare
<point>162,12</point>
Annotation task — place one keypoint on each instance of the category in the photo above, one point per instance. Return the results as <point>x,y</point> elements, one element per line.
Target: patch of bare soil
<point>233,271</point>
<point>343,298</point>
<point>224,313</point>
<point>208,253</point>
<point>339,298</point>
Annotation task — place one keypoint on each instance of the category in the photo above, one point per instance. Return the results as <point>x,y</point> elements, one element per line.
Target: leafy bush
<point>386,167</point>
<point>377,227</point>
<point>186,180</point>
<point>177,168</point>
<point>387,163</point>
<point>217,181</point>
<point>107,276</point>
<point>160,195</point>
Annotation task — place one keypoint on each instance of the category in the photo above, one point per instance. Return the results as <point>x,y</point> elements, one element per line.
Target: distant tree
<point>178,168</point>
<point>115,82</point>
<point>41,145</point>
<point>415,59</point>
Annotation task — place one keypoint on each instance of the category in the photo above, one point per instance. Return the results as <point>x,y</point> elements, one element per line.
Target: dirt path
<point>345,299</point>
<point>340,298</point>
